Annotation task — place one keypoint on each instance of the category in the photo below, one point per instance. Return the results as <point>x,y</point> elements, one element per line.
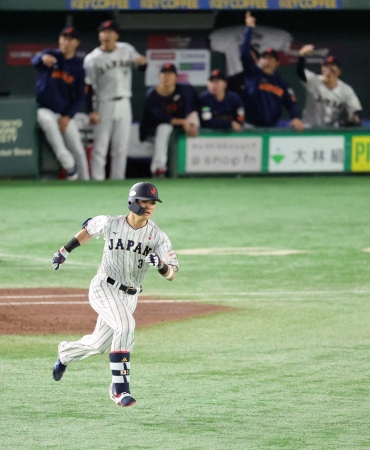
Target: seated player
<point>60,93</point>
<point>167,106</point>
<point>220,108</point>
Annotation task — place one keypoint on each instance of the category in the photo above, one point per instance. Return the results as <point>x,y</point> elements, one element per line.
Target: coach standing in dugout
<point>265,91</point>
<point>328,97</point>
<point>109,75</point>
<point>60,93</point>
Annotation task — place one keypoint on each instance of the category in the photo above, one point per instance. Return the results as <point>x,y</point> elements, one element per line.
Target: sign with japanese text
<point>223,154</point>
<point>360,154</point>
<point>306,154</point>
<point>203,4</point>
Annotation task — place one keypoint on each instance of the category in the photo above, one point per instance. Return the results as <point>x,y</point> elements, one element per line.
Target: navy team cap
<point>71,32</point>
<point>217,75</point>
<point>331,60</point>
<point>108,25</point>
<point>168,68</point>
<point>271,52</point>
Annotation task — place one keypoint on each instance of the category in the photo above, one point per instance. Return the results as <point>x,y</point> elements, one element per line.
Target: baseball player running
<point>328,97</point>
<point>60,94</point>
<point>132,243</point>
<point>109,73</point>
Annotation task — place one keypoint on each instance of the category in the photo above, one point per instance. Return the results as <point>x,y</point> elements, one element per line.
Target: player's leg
<point>97,342</point>
<point>117,311</point>
<point>48,121</point>
<point>120,138</point>
<point>162,137</point>
<point>114,329</point>
<point>102,135</point>
<point>72,138</point>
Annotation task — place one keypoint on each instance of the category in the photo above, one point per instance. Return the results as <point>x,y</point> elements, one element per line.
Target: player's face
<point>167,79</point>
<point>268,64</point>
<point>330,72</point>
<point>149,206</point>
<point>217,87</point>
<point>68,45</point>
<point>108,38</point>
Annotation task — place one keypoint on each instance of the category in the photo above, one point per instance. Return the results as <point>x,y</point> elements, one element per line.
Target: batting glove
<point>59,257</point>
<point>154,260</point>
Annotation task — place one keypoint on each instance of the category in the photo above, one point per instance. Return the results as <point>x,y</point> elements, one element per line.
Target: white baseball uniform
<point>323,105</point>
<point>70,139</point>
<point>110,75</point>
<point>124,261</point>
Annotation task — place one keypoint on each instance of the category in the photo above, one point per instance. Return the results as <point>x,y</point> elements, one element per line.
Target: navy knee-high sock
<point>120,367</point>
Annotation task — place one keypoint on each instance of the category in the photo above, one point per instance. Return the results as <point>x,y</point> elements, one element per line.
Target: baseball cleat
<point>72,175</point>
<point>58,370</point>
<point>122,399</point>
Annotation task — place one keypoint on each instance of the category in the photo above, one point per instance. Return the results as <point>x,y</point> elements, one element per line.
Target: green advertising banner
<point>19,155</point>
<point>274,151</point>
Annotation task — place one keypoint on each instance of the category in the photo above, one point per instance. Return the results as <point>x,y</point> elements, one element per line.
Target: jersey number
<point>141,262</point>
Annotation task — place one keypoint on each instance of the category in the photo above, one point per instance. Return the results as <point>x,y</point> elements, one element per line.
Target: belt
<point>126,289</point>
<point>117,98</point>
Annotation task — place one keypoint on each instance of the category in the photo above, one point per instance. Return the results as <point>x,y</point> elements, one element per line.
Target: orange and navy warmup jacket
<point>264,95</point>
<point>60,88</point>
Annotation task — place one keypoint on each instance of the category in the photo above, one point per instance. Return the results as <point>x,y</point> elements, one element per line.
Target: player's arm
<point>306,50</point>
<point>142,62</point>
<point>249,65</point>
<point>80,238</point>
<point>79,96</point>
<point>62,254</point>
<point>239,116</point>
<point>354,110</point>
<point>290,103</point>
<point>166,271</point>
<point>45,58</point>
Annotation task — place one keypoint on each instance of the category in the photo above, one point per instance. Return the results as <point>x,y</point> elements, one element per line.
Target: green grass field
<point>287,369</point>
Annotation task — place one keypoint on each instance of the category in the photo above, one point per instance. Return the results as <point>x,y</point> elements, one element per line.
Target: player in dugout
<point>329,101</point>
<point>219,107</point>
<point>109,77</point>
<point>60,93</point>
<point>167,106</point>
<point>265,91</point>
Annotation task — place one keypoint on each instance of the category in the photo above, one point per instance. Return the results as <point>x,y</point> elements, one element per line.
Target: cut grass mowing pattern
<point>287,370</point>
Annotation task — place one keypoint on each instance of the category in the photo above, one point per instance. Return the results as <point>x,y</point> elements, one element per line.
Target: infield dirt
<point>62,310</point>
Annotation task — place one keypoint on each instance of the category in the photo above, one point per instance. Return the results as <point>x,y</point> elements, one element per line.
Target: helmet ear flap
<point>134,206</point>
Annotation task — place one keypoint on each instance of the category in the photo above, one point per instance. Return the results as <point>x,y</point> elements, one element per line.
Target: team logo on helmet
<point>153,190</point>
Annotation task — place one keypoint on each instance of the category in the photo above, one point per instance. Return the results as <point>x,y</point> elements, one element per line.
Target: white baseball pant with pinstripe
<point>114,328</point>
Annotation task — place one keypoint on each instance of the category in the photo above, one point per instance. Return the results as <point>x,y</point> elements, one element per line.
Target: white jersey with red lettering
<point>324,106</point>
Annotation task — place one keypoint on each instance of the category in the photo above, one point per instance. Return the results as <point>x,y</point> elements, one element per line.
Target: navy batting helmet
<point>141,191</point>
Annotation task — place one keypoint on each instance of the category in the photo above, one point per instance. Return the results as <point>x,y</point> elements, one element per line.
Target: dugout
<point>341,23</point>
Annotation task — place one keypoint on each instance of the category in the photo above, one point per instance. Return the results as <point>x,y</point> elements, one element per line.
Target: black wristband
<point>163,270</point>
<point>72,244</point>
